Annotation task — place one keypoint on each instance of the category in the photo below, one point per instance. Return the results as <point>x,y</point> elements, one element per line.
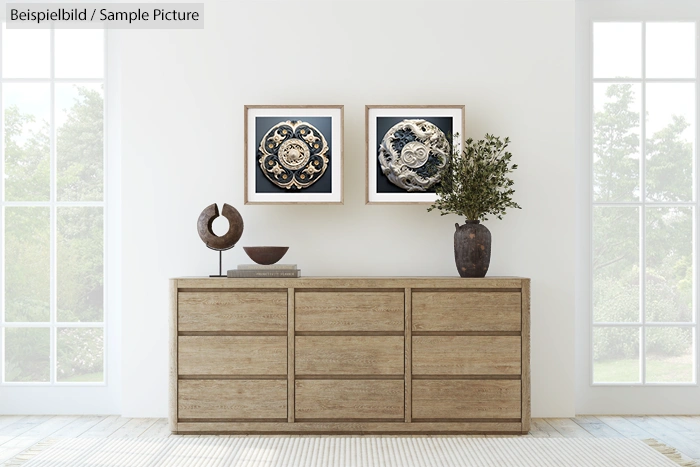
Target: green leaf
<point>475,183</point>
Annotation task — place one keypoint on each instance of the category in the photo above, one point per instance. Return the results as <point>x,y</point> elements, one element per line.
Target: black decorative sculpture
<point>226,241</point>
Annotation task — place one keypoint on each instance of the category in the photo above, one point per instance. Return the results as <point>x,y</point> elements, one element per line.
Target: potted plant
<point>475,184</point>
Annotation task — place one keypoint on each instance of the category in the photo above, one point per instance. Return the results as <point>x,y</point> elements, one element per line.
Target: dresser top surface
<point>353,282</point>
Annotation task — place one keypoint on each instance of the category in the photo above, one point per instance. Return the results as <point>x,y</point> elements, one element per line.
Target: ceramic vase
<point>472,249</point>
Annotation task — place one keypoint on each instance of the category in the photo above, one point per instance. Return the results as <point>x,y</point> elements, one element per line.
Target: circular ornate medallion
<point>413,154</point>
<point>293,155</point>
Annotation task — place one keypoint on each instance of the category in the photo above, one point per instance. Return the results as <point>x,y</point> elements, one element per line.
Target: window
<point>52,184</point>
<point>644,203</point>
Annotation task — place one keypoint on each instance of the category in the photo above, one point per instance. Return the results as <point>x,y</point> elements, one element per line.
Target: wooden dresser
<point>350,355</point>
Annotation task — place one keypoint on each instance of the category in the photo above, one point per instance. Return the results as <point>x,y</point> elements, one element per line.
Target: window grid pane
<point>630,347</point>
<point>616,291</point>
<point>669,354</point>
<point>52,326</point>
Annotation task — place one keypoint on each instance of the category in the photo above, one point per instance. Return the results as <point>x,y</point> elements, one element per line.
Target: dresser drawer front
<point>466,311</point>
<point>466,355</point>
<point>466,399</point>
<point>232,311</point>
<point>232,355</point>
<point>240,399</point>
<point>349,355</point>
<point>349,311</point>
<point>349,399</point>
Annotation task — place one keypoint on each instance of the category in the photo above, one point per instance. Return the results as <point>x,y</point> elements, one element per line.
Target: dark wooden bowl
<point>265,254</point>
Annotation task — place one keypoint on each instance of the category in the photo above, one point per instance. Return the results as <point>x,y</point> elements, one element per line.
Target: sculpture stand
<point>220,271</point>
<point>221,274</point>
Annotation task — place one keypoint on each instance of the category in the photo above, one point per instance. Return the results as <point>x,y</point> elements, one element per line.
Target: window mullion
<point>643,212</point>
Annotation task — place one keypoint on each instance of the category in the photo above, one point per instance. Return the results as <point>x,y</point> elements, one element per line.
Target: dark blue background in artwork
<point>263,184</point>
<point>383,125</point>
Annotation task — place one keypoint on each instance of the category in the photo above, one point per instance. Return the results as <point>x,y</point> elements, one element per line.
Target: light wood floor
<point>18,433</point>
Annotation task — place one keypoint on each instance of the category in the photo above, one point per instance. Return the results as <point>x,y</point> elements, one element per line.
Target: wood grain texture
<point>525,355</point>
<point>232,311</point>
<point>349,399</point>
<point>408,352</point>
<point>106,427</point>
<point>172,377</point>
<point>343,354</point>
<point>349,311</point>
<point>351,283</point>
<point>475,355</point>
<point>351,427</point>
<point>597,428</point>
<point>347,355</point>
<point>232,355</point>
<point>466,311</point>
<point>291,316</point>
<point>134,428</point>
<point>448,399</point>
<point>232,399</point>
<point>568,428</point>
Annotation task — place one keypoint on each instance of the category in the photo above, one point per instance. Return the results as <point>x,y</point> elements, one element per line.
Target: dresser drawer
<point>466,355</point>
<point>472,399</point>
<point>349,399</point>
<point>349,355</point>
<point>349,311</point>
<point>466,311</point>
<point>240,399</point>
<point>232,311</point>
<point>232,355</point>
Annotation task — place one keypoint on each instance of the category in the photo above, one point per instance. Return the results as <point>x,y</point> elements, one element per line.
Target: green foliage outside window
<point>616,268</point>
<point>79,240</point>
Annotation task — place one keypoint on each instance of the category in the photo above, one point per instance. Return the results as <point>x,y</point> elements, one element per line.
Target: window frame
<point>53,204</point>
<point>642,204</point>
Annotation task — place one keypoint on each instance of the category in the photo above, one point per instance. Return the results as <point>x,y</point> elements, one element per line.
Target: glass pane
<point>670,50</point>
<point>616,136</point>
<point>616,355</point>
<point>670,140</point>
<point>617,50</point>
<point>669,265</point>
<point>27,263</point>
<point>26,141</point>
<point>615,264</point>
<point>27,355</point>
<point>79,264</point>
<point>80,355</point>
<point>26,53</point>
<point>79,142</point>
<point>669,354</point>
<point>79,53</point>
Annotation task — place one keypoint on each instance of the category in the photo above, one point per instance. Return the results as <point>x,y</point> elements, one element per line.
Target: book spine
<point>257,273</point>
<point>267,267</point>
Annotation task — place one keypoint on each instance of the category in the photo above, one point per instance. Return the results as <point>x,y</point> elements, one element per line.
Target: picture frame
<point>301,161</point>
<point>390,126</point>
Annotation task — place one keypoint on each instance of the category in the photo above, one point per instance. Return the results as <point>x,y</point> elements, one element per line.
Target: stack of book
<point>261,270</point>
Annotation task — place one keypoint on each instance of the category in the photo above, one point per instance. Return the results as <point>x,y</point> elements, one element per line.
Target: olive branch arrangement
<point>475,182</point>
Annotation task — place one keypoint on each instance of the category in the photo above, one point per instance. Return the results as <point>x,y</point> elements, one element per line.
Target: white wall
<point>510,63</point>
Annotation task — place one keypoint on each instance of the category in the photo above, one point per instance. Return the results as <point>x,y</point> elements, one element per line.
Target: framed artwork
<point>293,154</point>
<point>407,148</point>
